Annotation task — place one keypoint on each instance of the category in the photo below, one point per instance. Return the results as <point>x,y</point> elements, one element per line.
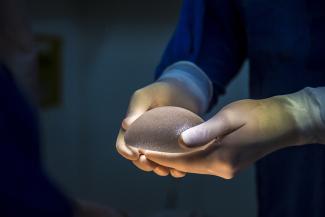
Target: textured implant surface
<point>160,128</point>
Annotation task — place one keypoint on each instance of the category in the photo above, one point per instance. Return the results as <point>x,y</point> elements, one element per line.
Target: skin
<point>163,93</point>
<point>245,130</point>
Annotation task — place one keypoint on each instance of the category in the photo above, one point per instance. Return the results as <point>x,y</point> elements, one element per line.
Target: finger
<point>161,171</point>
<point>221,124</point>
<point>138,105</point>
<point>192,162</point>
<point>124,150</point>
<point>144,164</point>
<point>177,174</point>
<point>202,162</point>
<point>168,160</point>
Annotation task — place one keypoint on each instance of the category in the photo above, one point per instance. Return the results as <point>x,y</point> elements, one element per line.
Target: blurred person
<point>25,190</point>
<point>284,42</point>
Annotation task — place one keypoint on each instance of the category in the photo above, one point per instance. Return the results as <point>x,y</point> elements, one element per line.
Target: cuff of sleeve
<point>308,108</point>
<point>194,79</point>
<point>317,96</point>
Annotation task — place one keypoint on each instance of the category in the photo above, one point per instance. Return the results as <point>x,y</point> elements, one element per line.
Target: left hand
<point>169,92</point>
<point>245,131</point>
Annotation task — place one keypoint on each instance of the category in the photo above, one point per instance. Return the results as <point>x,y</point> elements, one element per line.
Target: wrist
<point>193,79</point>
<point>179,95</point>
<point>316,104</point>
<point>305,111</point>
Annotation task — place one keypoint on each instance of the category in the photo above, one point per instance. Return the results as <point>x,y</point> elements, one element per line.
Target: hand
<point>245,131</point>
<point>168,92</point>
<point>89,209</point>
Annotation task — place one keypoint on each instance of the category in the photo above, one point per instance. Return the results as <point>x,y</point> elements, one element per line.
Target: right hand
<point>167,92</point>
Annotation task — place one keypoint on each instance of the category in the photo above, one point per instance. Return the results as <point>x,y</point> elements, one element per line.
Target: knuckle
<point>141,94</point>
<point>226,116</point>
<point>138,93</point>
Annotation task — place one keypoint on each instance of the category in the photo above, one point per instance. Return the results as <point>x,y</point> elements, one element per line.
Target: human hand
<point>245,131</point>
<point>90,209</point>
<point>167,92</point>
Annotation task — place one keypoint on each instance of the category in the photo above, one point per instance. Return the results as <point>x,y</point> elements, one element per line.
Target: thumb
<point>202,134</point>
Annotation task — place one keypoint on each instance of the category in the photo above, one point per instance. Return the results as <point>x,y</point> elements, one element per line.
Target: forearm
<point>209,34</point>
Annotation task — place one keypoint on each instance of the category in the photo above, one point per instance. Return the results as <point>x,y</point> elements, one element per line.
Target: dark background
<point>110,49</point>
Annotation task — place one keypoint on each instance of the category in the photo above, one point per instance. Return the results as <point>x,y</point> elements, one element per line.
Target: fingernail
<point>190,139</point>
<point>186,138</point>
<point>182,141</point>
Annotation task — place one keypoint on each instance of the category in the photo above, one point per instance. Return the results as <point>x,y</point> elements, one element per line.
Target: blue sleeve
<point>211,35</point>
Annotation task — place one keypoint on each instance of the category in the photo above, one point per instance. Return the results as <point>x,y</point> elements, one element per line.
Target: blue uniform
<point>24,188</point>
<point>285,43</point>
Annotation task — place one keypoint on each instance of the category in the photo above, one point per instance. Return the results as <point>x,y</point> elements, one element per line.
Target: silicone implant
<point>159,129</point>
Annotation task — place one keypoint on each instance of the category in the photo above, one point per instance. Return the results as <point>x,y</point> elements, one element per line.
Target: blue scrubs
<point>24,188</point>
<point>285,43</point>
